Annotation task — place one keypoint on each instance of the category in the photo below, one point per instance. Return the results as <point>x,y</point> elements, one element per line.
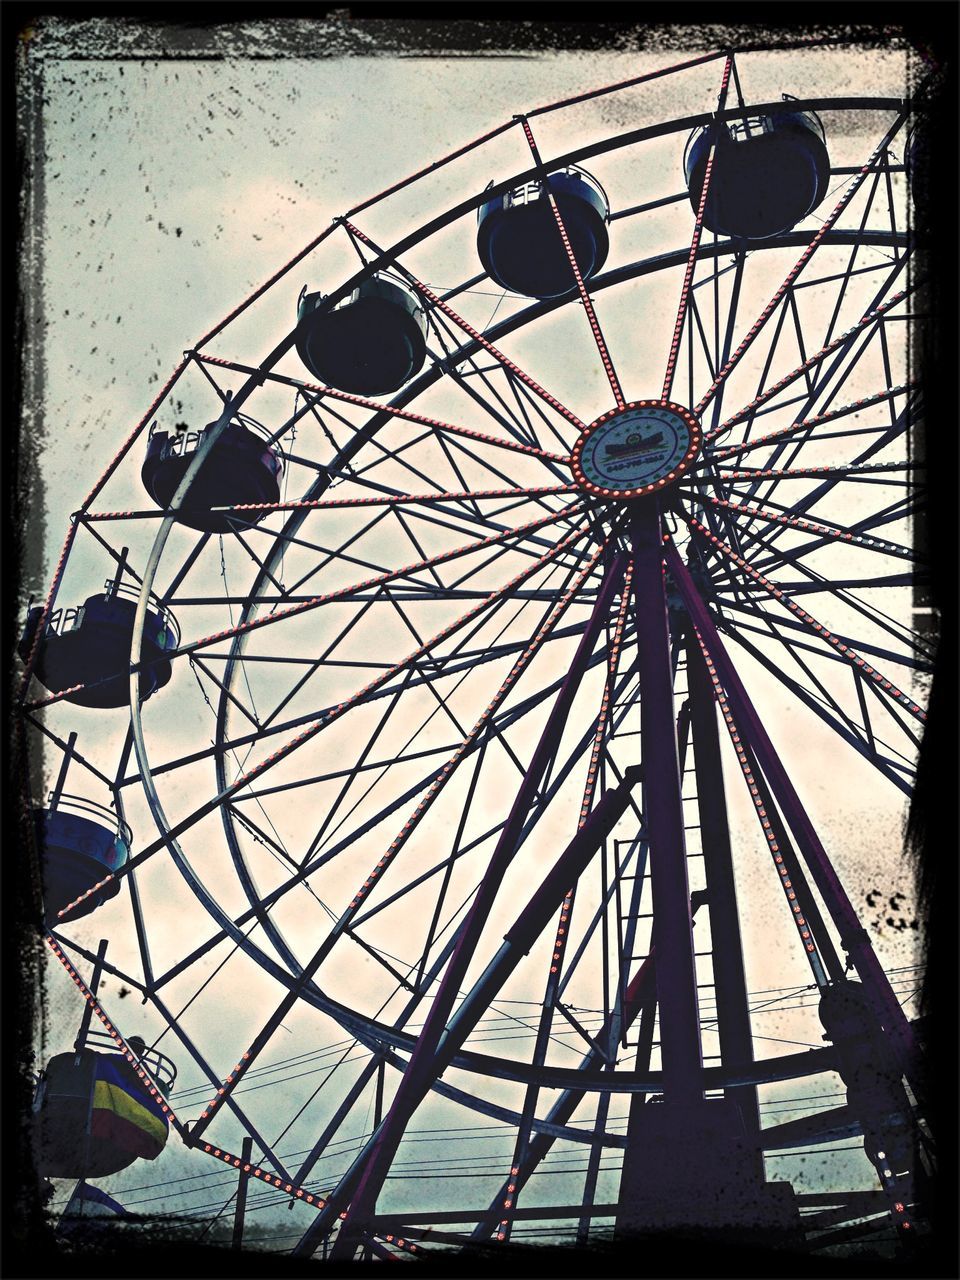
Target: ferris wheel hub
<point>636,450</point>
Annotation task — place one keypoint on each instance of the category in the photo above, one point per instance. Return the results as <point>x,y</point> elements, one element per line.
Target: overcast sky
<point>171,187</point>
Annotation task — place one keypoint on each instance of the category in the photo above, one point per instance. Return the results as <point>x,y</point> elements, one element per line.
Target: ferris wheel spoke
<point>894,766</point>
<point>805,424</point>
<point>519,422</point>
<point>842,585</point>
<point>686,294</point>
<point>861,605</point>
<point>470,454</point>
<point>802,261</point>
<point>527,405</point>
<point>860,470</point>
<point>812,936</point>
<point>485,721</point>
<point>442,593</point>
<point>323,392</point>
<point>449,454</point>
<point>315,664</point>
<point>748,605</point>
<point>457,850</point>
<point>479,338</point>
<point>706,349</point>
<point>824,534</point>
<point>854,251</point>
<point>400,455</point>
<point>512,497</point>
<point>347,917</point>
<point>326,555</point>
<point>465,371</point>
<point>587,304</point>
<point>722,353</point>
<point>895,513</point>
<point>854,937</point>
<point>866,471</point>
<point>843,344</point>
<point>44,729</point>
<point>282,752</point>
<point>563,926</point>
<point>460,522</point>
<point>848,653</point>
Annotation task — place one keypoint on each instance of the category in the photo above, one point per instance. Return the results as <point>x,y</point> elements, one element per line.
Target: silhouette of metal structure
<point>502,658</point>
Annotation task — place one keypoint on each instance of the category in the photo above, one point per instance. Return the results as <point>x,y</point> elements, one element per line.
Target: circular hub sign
<point>636,450</point>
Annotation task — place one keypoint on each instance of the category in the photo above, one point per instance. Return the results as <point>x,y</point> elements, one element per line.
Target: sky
<point>171,188</point>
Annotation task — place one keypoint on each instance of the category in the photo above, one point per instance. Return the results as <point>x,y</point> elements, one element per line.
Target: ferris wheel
<point>462,675</point>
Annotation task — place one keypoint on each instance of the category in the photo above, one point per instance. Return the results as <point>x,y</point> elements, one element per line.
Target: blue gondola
<point>89,645</point>
<point>80,843</point>
<point>520,245</point>
<point>369,344</point>
<point>241,467</point>
<point>95,1113</point>
<point>769,173</point>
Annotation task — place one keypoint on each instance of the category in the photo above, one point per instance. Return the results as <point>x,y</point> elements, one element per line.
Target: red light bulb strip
<point>227,1157</point>
<point>47,607</point>
<point>695,242</point>
<point>799,920</point>
<point>394,411</point>
<point>335,712</point>
<point>128,443</point>
<point>794,272</point>
<point>566,908</point>
<point>343,593</point>
<point>381,500</point>
<point>848,654</point>
<point>748,410</point>
<point>98,1012</point>
<point>794,428</point>
<point>605,360</point>
<point>593,767</point>
<point>612,661</point>
<point>808,526</point>
<point>236,1075</point>
<point>807,473</point>
<point>498,355</point>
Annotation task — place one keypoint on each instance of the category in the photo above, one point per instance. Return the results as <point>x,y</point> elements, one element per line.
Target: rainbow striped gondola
<point>95,1116</point>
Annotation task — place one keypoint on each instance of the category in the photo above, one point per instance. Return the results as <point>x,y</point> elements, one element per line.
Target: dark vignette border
<point>209,30</point>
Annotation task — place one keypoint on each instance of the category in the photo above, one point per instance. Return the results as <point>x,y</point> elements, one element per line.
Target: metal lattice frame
<point>556,608</point>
